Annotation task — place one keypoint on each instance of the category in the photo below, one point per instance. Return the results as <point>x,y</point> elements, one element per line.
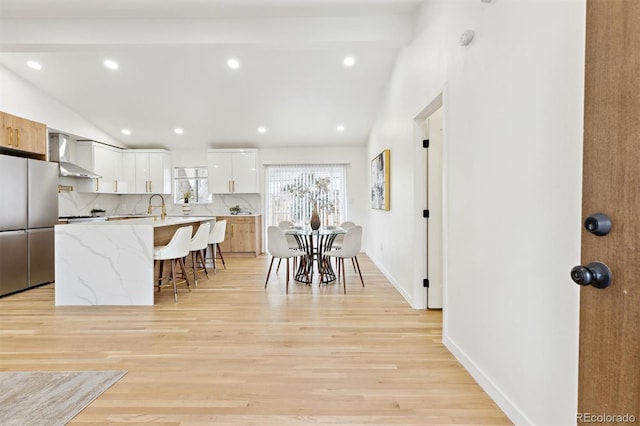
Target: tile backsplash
<point>80,204</point>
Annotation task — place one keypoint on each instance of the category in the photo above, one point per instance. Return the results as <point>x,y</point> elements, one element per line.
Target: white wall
<point>20,98</point>
<point>513,104</point>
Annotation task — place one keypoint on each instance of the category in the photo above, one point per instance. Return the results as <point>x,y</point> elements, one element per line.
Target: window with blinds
<point>294,190</point>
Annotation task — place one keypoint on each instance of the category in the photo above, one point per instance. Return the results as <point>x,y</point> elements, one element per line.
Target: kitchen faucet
<point>163,214</point>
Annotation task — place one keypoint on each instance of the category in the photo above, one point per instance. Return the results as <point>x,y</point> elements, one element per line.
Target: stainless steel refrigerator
<point>28,214</point>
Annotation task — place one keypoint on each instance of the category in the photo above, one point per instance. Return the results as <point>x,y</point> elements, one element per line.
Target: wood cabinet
<point>233,171</point>
<point>148,171</point>
<point>243,236</point>
<point>104,160</point>
<point>23,135</point>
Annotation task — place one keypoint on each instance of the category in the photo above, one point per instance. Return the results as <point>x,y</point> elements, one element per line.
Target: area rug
<point>50,398</point>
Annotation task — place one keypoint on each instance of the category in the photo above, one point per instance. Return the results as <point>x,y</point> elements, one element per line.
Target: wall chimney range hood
<point>59,151</point>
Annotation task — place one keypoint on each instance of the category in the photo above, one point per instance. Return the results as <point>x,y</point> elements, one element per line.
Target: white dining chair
<point>197,246</point>
<point>291,240</point>
<point>216,236</point>
<point>337,242</point>
<point>175,250</point>
<point>278,248</point>
<point>349,250</point>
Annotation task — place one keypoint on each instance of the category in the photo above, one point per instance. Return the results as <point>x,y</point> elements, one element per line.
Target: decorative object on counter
<point>98,212</point>
<point>186,207</point>
<point>235,209</point>
<point>315,218</point>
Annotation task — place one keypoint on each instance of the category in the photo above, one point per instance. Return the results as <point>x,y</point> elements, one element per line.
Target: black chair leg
<point>358,265</point>
<point>269,273</point>
<point>195,268</point>
<point>184,273</point>
<point>221,257</point>
<point>278,267</point>
<point>287,281</point>
<point>173,279</point>
<point>204,264</point>
<point>160,273</point>
<point>344,276</point>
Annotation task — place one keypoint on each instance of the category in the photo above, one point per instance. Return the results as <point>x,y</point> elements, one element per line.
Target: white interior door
<point>434,204</point>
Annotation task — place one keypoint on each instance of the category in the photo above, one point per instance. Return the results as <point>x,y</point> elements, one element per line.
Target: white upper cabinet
<point>104,160</point>
<point>148,171</point>
<point>233,171</point>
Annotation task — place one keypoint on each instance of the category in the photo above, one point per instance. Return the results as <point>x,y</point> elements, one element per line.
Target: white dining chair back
<point>277,242</point>
<point>350,249</point>
<point>278,247</point>
<point>175,250</point>
<point>352,242</point>
<point>337,242</point>
<point>291,240</point>
<point>216,236</point>
<point>199,243</point>
<point>285,224</point>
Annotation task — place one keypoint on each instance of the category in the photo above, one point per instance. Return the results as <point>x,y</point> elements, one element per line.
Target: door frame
<point>420,199</point>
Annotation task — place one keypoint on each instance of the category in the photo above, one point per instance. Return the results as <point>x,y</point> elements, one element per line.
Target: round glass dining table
<point>315,243</point>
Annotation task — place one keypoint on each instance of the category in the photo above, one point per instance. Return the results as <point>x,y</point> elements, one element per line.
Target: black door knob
<point>596,274</point>
<point>598,224</point>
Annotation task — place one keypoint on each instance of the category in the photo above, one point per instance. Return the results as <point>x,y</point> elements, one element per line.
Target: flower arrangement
<point>311,194</point>
<point>186,195</point>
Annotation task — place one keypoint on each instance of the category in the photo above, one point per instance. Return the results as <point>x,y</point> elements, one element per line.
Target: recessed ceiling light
<point>126,132</point>
<point>112,65</point>
<point>349,61</point>
<point>340,128</point>
<point>262,129</point>
<point>34,65</point>
<point>178,130</point>
<point>233,64</point>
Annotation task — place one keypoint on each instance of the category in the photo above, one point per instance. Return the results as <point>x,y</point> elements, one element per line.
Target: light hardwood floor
<point>232,353</point>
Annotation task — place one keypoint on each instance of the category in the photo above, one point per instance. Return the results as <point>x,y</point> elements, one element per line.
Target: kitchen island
<point>111,262</point>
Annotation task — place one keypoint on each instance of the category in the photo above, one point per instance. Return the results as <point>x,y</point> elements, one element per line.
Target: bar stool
<point>199,243</point>
<point>176,250</point>
<point>216,236</point>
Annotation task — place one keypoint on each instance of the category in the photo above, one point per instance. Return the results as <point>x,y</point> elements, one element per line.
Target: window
<point>192,182</point>
<point>294,190</point>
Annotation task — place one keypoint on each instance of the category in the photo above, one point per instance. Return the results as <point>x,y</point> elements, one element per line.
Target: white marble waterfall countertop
<point>109,262</point>
<point>155,222</point>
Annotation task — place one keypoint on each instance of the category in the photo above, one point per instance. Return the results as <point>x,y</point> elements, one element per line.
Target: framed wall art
<point>380,188</point>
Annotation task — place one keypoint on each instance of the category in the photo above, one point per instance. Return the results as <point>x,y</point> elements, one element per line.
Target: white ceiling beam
<point>69,35</point>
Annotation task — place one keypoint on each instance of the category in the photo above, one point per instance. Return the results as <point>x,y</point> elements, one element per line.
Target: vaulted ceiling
<point>172,66</point>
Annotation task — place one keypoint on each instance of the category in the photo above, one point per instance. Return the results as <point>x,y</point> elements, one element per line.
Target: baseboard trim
<point>392,280</point>
<point>511,410</point>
